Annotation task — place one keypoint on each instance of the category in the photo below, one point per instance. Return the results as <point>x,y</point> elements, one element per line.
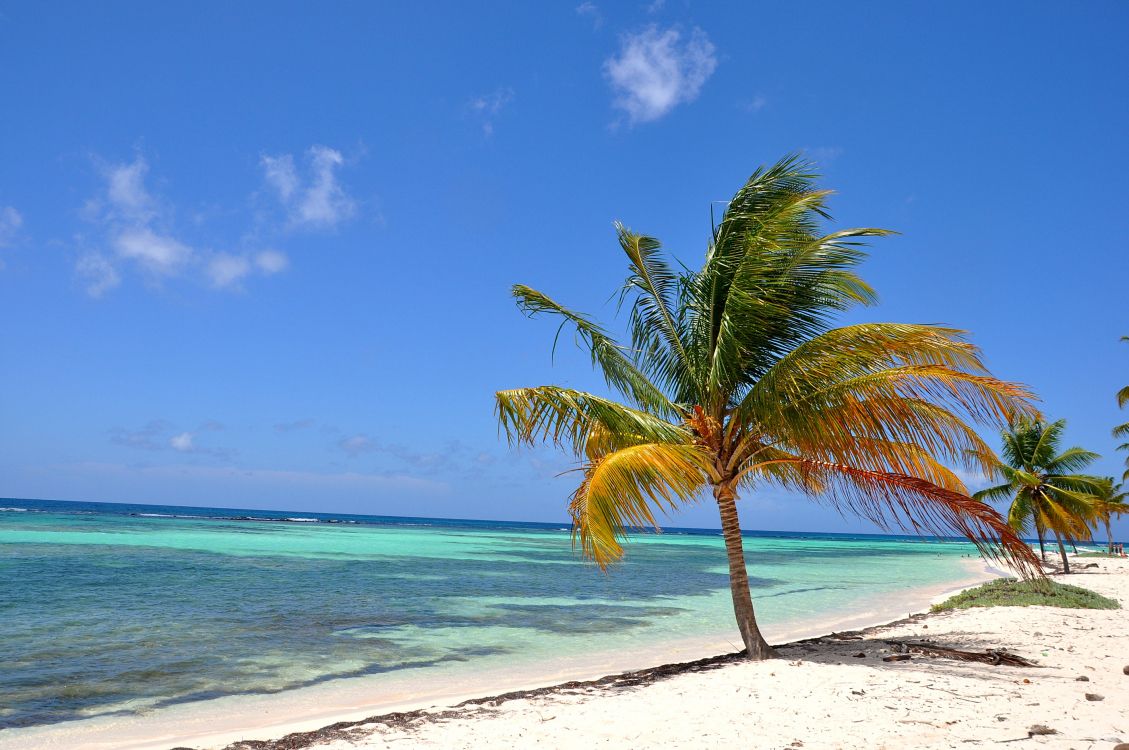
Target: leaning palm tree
<point>1045,489</point>
<point>735,379</point>
<point>1122,430</point>
<point>1112,500</point>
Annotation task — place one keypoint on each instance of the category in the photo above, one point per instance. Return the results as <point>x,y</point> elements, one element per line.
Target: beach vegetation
<point>1043,484</point>
<point>1009,592</point>
<point>1111,500</point>
<point>735,380</point>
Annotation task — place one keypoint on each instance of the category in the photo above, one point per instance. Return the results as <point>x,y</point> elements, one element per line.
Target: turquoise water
<point>123,608</point>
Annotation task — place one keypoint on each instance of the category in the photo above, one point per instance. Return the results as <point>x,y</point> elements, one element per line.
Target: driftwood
<point>995,657</point>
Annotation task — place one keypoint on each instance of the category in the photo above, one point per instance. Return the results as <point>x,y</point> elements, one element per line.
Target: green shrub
<point>1008,592</point>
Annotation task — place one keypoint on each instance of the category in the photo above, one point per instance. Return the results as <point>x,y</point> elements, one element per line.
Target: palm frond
<point>616,366</point>
<point>624,489</point>
<point>657,333</point>
<point>1070,460</point>
<point>569,418</point>
<point>998,492</point>
<point>913,504</point>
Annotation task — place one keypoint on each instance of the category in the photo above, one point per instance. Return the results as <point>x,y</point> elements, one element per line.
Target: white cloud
<point>590,10</point>
<point>182,442</point>
<point>271,261</point>
<point>487,107</point>
<point>356,445</point>
<point>99,273</point>
<point>318,202</point>
<point>756,104</point>
<point>656,6</point>
<point>279,173</point>
<point>823,155</point>
<point>228,270</point>
<point>10,223</point>
<point>126,192</point>
<point>138,230</point>
<point>157,254</point>
<point>656,70</point>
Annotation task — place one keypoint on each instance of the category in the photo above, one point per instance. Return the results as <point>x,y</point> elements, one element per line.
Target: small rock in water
<point>1083,678</point>
<point>1094,697</point>
<point>1125,669</point>
<point>897,657</point>
<point>1122,746</point>
<point>1037,633</point>
<point>860,655</point>
<point>1040,729</point>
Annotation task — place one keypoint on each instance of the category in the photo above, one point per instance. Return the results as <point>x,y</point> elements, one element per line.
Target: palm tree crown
<point>1046,491</point>
<point>1111,501</point>
<point>735,379</point>
<point>1122,430</point>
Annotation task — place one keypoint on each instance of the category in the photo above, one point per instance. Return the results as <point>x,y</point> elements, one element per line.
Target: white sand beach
<point>824,694</point>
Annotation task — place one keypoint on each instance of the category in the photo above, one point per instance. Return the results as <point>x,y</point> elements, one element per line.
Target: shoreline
<point>1069,688</point>
<point>311,710</point>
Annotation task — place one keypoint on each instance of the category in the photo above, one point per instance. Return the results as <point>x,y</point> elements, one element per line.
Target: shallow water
<point>123,608</point>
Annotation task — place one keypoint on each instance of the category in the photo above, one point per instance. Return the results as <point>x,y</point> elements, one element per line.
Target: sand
<point>821,695</point>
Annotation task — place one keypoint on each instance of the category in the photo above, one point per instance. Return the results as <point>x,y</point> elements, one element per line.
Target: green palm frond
<point>991,494</point>
<point>657,334</point>
<point>1070,460</point>
<point>617,368</point>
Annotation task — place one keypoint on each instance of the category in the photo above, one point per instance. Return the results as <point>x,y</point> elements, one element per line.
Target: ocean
<point>124,609</point>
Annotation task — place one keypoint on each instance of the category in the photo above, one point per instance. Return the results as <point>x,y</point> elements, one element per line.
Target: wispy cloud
<point>182,442</point>
<point>137,232</point>
<point>97,273</point>
<point>756,104</point>
<point>824,155</point>
<point>227,271</point>
<point>356,445</point>
<point>160,435</point>
<point>300,424</point>
<point>10,222</point>
<point>656,70</point>
<point>316,201</point>
<point>488,107</point>
<point>159,255</point>
<point>592,12</point>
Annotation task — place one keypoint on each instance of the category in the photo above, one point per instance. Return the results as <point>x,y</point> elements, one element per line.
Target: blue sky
<point>259,255</point>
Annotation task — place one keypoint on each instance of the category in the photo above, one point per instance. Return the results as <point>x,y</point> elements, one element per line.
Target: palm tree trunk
<point>1062,551</point>
<point>1109,535</point>
<point>756,647</point>
<point>1039,534</point>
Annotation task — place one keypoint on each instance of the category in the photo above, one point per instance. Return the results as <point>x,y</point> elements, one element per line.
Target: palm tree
<point>1122,430</point>
<point>1045,489</point>
<point>1111,501</point>
<point>735,379</point>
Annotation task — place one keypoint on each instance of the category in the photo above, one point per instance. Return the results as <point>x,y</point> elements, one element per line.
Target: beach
<point>824,690</point>
<point>831,692</point>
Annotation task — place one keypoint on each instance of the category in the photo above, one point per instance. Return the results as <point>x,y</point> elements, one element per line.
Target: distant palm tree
<point>1122,430</point>
<point>1112,501</point>
<point>734,379</point>
<point>1045,490</point>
